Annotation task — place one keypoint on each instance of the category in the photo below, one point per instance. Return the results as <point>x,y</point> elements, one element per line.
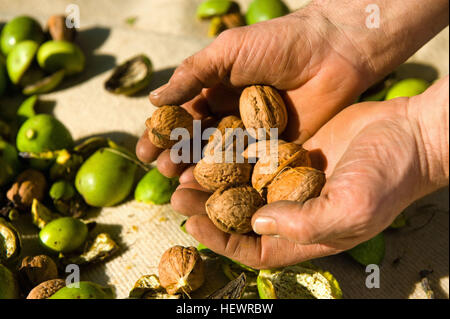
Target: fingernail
<point>156,93</point>
<point>265,226</point>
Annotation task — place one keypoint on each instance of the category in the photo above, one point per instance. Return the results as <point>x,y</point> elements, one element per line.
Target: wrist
<point>429,113</point>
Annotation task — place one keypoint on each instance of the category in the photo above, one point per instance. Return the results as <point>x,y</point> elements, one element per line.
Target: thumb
<point>316,221</point>
<point>205,69</point>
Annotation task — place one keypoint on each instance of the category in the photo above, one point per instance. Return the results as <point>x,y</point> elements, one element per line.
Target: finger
<point>188,175</point>
<point>167,167</point>
<point>192,185</point>
<point>146,152</point>
<point>316,221</point>
<point>261,252</point>
<point>204,69</point>
<point>189,202</point>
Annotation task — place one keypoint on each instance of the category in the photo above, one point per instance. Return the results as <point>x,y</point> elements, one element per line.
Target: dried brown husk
<point>164,120</point>
<point>296,184</point>
<point>231,208</point>
<point>233,290</point>
<point>58,29</point>
<point>262,107</point>
<point>36,269</point>
<point>181,270</point>
<point>29,185</point>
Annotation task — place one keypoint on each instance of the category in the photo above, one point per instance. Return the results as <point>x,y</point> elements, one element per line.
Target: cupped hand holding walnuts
<point>378,158</point>
<point>321,58</point>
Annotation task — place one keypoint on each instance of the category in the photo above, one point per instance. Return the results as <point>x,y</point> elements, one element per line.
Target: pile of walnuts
<point>239,187</point>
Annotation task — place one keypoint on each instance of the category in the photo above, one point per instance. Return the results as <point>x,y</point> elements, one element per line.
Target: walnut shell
<point>260,148</point>
<point>38,269</point>
<point>268,167</point>
<point>46,289</point>
<point>29,185</point>
<point>262,107</point>
<point>181,270</point>
<point>231,208</point>
<point>224,138</point>
<point>211,175</point>
<point>296,184</point>
<point>58,29</point>
<point>164,120</point>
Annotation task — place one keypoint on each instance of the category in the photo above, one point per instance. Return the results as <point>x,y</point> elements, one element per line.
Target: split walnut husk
<point>44,85</point>
<point>10,244</point>
<point>149,287</point>
<point>233,290</point>
<point>41,215</point>
<point>97,250</point>
<point>302,281</point>
<point>131,76</point>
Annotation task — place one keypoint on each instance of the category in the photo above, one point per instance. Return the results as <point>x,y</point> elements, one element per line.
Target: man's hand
<point>378,157</point>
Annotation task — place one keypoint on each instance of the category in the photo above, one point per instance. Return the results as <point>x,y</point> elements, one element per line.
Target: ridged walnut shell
<point>225,137</point>
<point>296,184</point>
<point>46,289</point>
<point>231,208</point>
<point>181,270</point>
<point>268,167</point>
<point>164,120</point>
<point>29,185</point>
<point>262,107</point>
<point>211,175</point>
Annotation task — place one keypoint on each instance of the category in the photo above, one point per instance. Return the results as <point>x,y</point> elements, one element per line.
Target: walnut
<point>46,289</point>
<point>29,185</point>
<point>181,270</point>
<point>164,120</point>
<point>58,29</point>
<point>262,107</point>
<point>211,175</point>
<point>226,136</point>
<point>231,208</point>
<point>296,184</point>
<point>38,269</point>
<point>259,149</point>
<point>269,166</point>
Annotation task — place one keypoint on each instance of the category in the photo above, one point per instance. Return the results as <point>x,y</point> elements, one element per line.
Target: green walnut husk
<point>54,56</point>
<point>41,215</point>
<point>262,10</point>
<point>9,287</point>
<point>211,8</point>
<point>369,252</point>
<point>9,162</point>
<point>106,178</point>
<point>20,59</point>
<point>155,188</point>
<point>18,30</point>
<point>149,287</point>
<point>91,145</point>
<point>10,244</point>
<point>86,290</point>
<point>5,130</point>
<point>97,250</point>
<point>131,76</point>
<point>63,235</point>
<point>27,109</point>
<point>46,84</point>
<point>302,281</point>
<point>407,88</point>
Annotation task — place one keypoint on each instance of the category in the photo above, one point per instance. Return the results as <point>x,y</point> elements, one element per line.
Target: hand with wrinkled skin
<point>380,157</point>
<point>322,57</point>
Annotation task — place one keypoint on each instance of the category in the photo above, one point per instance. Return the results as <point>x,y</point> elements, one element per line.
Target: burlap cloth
<point>167,31</point>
